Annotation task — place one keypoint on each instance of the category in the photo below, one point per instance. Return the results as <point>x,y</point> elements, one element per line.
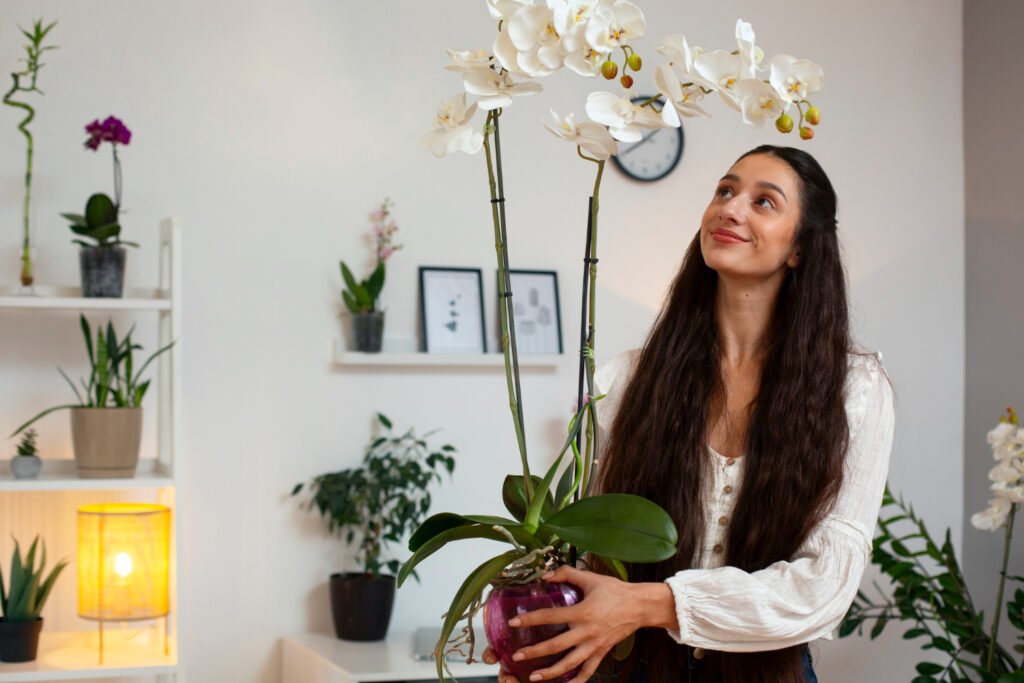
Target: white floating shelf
<point>70,298</point>
<point>62,475</point>
<point>75,657</point>
<point>386,359</point>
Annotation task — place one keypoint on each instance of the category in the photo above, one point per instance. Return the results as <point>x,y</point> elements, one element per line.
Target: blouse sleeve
<point>805,598</point>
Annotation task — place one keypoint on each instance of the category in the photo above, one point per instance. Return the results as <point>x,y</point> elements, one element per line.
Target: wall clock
<point>655,155</point>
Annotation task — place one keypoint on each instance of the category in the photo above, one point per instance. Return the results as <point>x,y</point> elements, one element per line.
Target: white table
<point>319,658</point>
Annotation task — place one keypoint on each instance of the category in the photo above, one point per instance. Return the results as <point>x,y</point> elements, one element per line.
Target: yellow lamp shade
<point>123,553</point>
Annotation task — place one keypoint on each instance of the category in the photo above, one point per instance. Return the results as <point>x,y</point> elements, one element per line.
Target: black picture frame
<point>441,316</point>
<point>537,330</point>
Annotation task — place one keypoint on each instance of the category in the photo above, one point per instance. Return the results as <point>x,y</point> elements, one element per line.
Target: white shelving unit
<point>389,359</point>
<point>130,652</point>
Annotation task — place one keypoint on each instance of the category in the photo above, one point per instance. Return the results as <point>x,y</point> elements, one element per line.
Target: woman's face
<point>749,228</point>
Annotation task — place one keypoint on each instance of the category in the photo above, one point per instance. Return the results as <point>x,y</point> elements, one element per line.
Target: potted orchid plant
<point>25,82</point>
<point>551,524</point>
<point>102,254</point>
<point>362,297</point>
<point>930,592</point>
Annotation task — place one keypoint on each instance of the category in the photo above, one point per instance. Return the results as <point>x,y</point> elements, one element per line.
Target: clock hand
<point>638,143</point>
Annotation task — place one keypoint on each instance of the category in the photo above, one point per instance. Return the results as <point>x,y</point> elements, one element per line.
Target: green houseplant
<point>372,506</point>
<point>362,297</point>
<point>102,260</point>
<point>26,464</point>
<point>106,423</point>
<point>25,82</point>
<point>930,593</point>
<point>22,598</point>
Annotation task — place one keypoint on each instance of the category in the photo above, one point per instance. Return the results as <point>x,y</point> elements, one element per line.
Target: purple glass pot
<point>509,601</point>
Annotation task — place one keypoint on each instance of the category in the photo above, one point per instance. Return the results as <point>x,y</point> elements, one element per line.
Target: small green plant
<point>113,381</point>
<point>28,443</point>
<point>361,296</point>
<point>383,499</point>
<point>28,586</point>
<point>24,81</point>
<point>99,223</point>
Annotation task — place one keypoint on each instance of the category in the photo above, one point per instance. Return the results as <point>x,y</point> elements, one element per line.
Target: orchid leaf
<point>617,526</point>
<point>513,493</point>
<point>440,540</point>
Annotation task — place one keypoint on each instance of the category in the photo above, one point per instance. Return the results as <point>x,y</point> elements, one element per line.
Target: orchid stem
<point>592,423</point>
<point>508,344</point>
<point>1002,585</point>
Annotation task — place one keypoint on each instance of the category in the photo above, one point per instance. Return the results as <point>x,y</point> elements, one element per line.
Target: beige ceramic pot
<point>106,441</point>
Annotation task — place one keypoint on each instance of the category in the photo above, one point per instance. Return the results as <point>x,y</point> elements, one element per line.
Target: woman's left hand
<point>611,610</point>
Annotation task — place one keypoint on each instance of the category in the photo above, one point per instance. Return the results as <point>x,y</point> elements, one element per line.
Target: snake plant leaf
<point>470,589</point>
<point>439,541</point>
<point>513,493</point>
<point>617,526</point>
<point>3,593</point>
<point>100,211</point>
<point>87,333</point>
<point>47,585</point>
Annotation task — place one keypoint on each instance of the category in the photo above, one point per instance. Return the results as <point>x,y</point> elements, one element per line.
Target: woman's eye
<point>766,202</point>
<point>724,192</point>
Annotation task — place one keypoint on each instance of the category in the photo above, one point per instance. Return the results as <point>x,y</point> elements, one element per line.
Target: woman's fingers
<point>548,615</point>
<point>559,643</point>
<point>588,670</point>
<point>488,656</point>
<point>567,574</point>
<point>564,665</point>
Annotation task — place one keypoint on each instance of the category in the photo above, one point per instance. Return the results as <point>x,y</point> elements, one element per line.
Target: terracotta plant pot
<point>106,441</point>
<point>19,640</point>
<point>361,605</point>
<point>509,601</point>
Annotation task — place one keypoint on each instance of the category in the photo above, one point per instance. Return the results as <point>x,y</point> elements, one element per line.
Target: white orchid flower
<point>1005,473</point>
<point>1005,491</point>
<point>503,10</point>
<point>680,56</point>
<point>625,120</point>
<point>573,16</point>
<point>680,100</point>
<point>1007,441</point>
<point>593,138</point>
<point>795,78</point>
<point>467,60</point>
<point>506,54</point>
<point>537,39</point>
<point>586,61</point>
<point>452,129</point>
<point>992,517</point>
<point>759,102</point>
<point>494,88</point>
<point>614,25</point>
<point>722,70</point>
<point>750,54</point>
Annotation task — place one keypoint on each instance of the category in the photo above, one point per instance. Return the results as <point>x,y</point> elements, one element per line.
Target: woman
<point>749,417</point>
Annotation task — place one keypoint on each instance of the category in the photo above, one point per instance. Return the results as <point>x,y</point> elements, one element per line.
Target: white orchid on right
<point>1007,442</point>
<point>495,88</point>
<point>615,25</point>
<point>452,129</point>
<point>680,100</point>
<point>537,38</point>
<point>626,121</point>
<point>592,138</point>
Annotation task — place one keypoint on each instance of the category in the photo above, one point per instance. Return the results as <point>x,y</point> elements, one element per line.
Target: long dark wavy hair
<point>797,434</point>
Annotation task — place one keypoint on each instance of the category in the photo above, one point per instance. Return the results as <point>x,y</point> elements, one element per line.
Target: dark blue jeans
<point>691,674</point>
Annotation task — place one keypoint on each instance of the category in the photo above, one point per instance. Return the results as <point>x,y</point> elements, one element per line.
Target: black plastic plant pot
<point>19,640</point>
<point>361,605</point>
<point>368,331</point>
<point>102,271</point>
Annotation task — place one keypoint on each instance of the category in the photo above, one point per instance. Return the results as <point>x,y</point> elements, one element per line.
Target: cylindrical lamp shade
<point>123,557</point>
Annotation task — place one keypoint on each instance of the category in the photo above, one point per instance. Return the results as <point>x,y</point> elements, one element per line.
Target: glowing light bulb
<point>123,564</point>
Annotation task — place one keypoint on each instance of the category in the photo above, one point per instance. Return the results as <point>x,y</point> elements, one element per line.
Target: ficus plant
<point>381,501</point>
<point>114,380</point>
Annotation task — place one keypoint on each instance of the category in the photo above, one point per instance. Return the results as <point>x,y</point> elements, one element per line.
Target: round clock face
<point>654,156</point>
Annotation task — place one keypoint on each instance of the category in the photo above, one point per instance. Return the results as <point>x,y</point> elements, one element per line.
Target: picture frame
<point>536,310</point>
<point>452,310</point>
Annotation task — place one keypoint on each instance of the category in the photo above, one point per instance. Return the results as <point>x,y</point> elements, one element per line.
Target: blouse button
<point>718,548</point>
<point>727,489</point>
<point>698,653</point>
<point>722,521</point>
<point>730,461</point>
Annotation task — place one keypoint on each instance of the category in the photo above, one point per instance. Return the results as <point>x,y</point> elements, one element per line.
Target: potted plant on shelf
<point>548,526</point>
<point>25,81</point>
<point>102,260</point>
<point>373,506</point>
<point>930,593</point>
<point>362,297</point>
<point>26,464</point>
<point>106,423</point>
<point>22,598</point>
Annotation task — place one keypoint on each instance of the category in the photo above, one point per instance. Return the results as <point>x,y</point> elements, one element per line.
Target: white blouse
<point>796,601</point>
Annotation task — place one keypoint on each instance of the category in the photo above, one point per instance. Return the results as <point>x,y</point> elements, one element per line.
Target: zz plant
<point>23,596</point>
<point>382,500</point>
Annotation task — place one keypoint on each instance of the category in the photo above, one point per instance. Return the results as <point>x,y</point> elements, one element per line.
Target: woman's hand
<point>503,676</point>
<point>611,610</point>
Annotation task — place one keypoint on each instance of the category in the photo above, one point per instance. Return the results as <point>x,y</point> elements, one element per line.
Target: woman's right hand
<point>503,676</point>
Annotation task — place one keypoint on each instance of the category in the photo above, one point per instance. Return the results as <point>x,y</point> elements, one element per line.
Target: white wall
<point>995,234</point>
<point>272,129</point>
